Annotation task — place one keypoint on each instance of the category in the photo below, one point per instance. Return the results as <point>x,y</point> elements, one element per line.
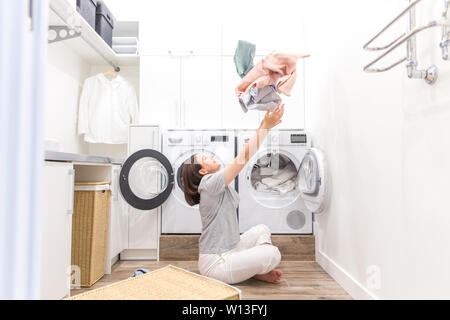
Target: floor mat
<point>168,283</point>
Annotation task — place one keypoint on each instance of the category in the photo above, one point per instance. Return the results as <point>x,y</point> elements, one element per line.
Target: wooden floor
<point>301,280</point>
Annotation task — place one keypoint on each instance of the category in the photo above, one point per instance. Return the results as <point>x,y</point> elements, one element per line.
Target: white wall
<point>387,139</point>
<point>65,76</point>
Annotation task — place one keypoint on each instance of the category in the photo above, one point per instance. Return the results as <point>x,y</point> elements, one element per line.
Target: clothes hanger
<point>111,72</point>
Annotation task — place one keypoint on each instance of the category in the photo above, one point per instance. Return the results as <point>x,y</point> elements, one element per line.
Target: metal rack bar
<point>407,37</point>
<point>405,11</point>
<point>430,74</point>
<point>78,33</point>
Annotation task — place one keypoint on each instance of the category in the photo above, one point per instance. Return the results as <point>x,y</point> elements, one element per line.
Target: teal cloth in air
<point>243,57</point>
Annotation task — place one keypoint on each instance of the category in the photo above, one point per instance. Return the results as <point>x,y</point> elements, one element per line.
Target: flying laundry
<point>277,69</point>
<point>261,84</point>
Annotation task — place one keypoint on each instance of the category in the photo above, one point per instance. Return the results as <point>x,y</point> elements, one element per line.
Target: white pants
<point>253,255</point>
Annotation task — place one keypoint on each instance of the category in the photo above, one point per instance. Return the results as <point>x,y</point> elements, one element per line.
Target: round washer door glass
<point>312,181</point>
<point>146,179</point>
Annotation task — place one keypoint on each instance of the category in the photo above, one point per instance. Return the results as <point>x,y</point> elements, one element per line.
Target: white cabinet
<point>143,226</point>
<point>181,91</point>
<point>118,222</point>
<point>175,27</point>
<point>160,91</point>
<point>201,81</point>
<point>57,230</point>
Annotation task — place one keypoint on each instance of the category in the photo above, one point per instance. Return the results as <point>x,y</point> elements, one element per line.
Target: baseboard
<point>139,254</point>
<point>346,281</point>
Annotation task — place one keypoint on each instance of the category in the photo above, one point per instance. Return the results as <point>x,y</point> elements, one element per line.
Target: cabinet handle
<point>71,190</point>
<point>177,116</point>
<point>184,113</point>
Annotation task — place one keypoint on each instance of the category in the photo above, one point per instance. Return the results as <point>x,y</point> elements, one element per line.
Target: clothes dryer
<point>281,185</point>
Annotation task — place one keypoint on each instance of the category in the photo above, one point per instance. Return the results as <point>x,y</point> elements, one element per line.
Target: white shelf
<point>90,46</point>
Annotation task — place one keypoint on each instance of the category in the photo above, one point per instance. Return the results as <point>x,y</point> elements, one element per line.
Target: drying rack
<point>89,45</point>
<point>430,74</point>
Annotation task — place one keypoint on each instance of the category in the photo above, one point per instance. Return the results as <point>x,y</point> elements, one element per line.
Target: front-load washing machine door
<point>312,180</point>
<point>146,179</point>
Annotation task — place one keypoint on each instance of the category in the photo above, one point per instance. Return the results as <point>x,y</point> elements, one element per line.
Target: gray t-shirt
<point>218,204</point>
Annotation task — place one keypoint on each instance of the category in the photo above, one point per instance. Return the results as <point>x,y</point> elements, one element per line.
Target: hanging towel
<point>243,57</point>
<point>277,69</point>
<point>260,99</point>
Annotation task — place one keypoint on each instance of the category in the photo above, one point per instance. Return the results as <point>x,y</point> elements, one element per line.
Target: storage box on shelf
<point>104,23</point>
<point>90,45</point>
<point>87,9</point>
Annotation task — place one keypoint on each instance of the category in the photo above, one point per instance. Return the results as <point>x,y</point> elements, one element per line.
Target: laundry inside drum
<point>274,173</point>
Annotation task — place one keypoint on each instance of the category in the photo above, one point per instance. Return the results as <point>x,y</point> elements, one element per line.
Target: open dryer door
<point>146,179</point>
<point>312,181</point>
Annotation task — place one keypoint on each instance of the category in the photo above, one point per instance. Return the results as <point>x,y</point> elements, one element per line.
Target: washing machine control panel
<point>301,138</point>
<point>281,138</point>
<point>184,139</point>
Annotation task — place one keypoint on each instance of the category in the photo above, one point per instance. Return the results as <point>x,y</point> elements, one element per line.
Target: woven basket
<point>90,230</point>
<point>168,283</point>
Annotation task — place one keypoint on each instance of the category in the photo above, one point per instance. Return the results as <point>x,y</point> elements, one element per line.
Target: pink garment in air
<point>274,67</point>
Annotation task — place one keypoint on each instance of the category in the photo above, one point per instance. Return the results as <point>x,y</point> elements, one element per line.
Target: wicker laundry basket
<point>168,283</point>
<point>90,231</point>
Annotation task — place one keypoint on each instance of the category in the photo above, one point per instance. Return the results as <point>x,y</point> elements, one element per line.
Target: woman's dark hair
<point>191,180</point>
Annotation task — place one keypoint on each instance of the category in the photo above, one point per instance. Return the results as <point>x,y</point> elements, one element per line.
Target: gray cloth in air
<point>218,204</point>
<point>243,57</point>
<point>260,99</point>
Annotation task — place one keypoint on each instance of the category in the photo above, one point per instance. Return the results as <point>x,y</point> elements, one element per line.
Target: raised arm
<point>271,120</point>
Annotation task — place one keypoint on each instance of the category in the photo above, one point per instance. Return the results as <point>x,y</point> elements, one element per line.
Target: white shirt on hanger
<point>107,107</point>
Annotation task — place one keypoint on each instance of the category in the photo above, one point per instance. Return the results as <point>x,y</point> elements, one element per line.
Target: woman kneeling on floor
<point>226,255</point>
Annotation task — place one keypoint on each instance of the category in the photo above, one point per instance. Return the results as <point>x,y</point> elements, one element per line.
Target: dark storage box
<point>104,23</point>
<point>87,9</point>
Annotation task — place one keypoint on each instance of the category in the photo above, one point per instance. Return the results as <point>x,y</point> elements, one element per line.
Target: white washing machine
<point>282,184</point>
<point>177,217</point>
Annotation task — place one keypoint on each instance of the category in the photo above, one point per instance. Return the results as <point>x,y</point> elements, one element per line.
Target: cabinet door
<point>143,229</point>
<point>201,92</point>
<point>143,226</point>
<point>233,115</point>
<point>118,226</point>
<point>180,27</point>
<point>144,137</point>
<point>57,230</point>
<point>160,91</point>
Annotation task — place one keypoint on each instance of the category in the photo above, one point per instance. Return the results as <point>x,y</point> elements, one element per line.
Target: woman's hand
<point>273,119</point>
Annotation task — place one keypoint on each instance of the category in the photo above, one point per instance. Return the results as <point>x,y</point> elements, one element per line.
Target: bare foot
<point>273,276</point>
